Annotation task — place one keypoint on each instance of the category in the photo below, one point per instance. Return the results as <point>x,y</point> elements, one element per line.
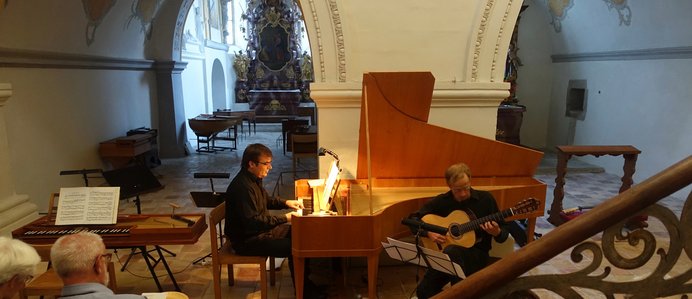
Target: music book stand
<point>209,199</point>
<point>133,181</point>
<point>83,172</point>
<point>415,254</point>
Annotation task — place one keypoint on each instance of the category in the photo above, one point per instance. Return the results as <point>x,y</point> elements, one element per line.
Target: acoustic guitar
<point>460,228</point>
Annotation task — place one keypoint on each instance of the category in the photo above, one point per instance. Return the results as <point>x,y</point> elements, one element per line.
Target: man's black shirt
<point>480,204</point>
<point>247,204</point>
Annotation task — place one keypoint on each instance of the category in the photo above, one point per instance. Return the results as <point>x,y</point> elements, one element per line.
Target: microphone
<point>417,223</point>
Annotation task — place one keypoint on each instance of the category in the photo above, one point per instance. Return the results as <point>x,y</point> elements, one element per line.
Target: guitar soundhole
<point>455,230</point>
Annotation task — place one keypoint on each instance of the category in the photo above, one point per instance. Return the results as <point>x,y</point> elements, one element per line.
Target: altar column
<point>16,210</point>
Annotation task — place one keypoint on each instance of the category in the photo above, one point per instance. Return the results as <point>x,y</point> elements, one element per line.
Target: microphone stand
<point>419,250</point>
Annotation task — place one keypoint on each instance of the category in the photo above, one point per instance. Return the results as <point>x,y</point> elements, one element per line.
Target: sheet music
<point>326,189</point>
<point>329,183</point>
<point>88,205</point>
<point>408,252</point>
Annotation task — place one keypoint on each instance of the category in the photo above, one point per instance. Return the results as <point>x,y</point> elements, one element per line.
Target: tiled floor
<point>586,186</point>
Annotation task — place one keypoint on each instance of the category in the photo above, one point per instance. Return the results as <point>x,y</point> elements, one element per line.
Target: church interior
<point>581,106</point>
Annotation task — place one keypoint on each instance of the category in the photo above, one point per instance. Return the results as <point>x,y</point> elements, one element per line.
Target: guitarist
<point>476,204</point>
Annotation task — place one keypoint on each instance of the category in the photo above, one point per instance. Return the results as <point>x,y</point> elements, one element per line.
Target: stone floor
<point>587,185</point>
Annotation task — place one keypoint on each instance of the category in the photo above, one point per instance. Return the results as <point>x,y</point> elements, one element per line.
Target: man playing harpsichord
<point>251,229</point>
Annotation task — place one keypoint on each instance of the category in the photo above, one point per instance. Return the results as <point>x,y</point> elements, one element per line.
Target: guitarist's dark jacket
<point>480,204</point>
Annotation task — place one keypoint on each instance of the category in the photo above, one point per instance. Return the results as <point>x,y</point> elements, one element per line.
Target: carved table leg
<point>628,171</point>
<point>559,192</point>
<point>628,168</point>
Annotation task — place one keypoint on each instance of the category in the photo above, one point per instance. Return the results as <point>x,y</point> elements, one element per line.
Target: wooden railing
<point>502,277</point>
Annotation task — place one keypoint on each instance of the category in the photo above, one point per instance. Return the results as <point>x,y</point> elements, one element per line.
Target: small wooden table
<point>248,116</point>
<point>565,152</point>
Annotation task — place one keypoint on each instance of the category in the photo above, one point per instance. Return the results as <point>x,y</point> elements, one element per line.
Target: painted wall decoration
<point>95,10</point>
<point>3,4</point>
<point>274,52</point>
<point>623,9</point>
<point>558,10</point>
<point>215,20</point>
<point>144,11</point>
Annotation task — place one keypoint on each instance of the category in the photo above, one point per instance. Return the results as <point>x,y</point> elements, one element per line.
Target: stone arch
<point>167,38</point>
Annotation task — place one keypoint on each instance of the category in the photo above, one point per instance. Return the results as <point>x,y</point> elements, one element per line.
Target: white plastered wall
<point>462,43</point>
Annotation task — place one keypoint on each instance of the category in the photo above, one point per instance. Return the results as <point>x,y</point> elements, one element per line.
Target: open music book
<point>88,205</point>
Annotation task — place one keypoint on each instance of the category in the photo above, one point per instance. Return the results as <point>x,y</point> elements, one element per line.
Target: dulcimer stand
<point>134,181</point>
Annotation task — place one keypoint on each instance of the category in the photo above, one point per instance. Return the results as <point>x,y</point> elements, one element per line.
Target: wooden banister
<point>609,213</point>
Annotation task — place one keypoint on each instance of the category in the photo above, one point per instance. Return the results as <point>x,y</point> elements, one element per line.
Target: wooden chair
<point>49,283</point>
<point>303,146</point>
<point>224,255</point>
<point>288,126</point>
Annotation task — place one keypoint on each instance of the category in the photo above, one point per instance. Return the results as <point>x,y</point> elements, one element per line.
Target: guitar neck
<point>476,223</point>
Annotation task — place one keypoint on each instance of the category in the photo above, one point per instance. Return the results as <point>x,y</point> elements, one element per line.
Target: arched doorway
<point>218,86</point>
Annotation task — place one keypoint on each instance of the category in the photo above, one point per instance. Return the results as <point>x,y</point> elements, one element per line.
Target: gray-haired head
<point>16,258</point>
<point>76,253</point>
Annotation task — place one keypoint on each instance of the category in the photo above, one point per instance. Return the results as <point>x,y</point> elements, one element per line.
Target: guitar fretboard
<point>476,223</point>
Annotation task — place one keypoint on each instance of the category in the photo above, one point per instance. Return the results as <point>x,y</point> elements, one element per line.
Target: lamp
<point>322,151</point>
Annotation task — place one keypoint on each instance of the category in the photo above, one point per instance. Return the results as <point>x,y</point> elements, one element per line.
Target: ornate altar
<point>274,73</point>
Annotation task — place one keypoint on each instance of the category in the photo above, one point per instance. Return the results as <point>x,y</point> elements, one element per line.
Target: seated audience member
<point>18,261</point>
<point>81,261</point>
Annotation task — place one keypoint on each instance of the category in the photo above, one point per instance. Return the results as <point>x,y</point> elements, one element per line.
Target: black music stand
<point>208,199</point>
<point>83,172</point>
<point>134,181</point>
<point>415,254</point>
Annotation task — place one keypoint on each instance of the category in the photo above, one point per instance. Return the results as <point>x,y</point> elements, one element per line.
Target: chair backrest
<point>216,215</point>
<point>290,125</point>
<point>43,251</point>
<point>304,143</point>
<point>52,206</point>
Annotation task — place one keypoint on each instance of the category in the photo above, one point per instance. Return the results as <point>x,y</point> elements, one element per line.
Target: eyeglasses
<point>28,278</point>
<point>459,189</point>
<point>106,257</point>
<point>265,163</point>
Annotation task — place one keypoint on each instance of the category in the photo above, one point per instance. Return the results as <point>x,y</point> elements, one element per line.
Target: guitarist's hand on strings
<point>437,238</point>
<point>491,227</point>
